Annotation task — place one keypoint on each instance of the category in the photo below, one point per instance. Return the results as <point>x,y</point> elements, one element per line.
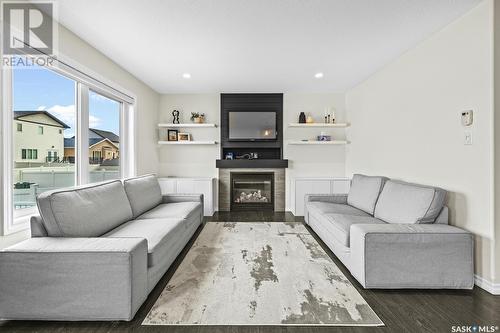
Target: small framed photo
<point>184,137</point>
<point>173,135</point>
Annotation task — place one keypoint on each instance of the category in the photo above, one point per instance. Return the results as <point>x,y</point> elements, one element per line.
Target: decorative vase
<point>309,120</point>
<point>198,120</point>
<point>302,118</point>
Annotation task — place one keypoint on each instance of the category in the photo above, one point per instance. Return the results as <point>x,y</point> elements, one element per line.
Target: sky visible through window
<point>42,89</point>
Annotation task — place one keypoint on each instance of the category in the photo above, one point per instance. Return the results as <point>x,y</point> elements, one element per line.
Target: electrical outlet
<point>467,138</point>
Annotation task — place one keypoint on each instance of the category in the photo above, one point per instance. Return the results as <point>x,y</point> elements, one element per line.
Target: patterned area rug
<point>259,274</point>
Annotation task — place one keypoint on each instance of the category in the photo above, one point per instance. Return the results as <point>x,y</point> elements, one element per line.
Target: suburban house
<point>103,146</point>
<point>267,166</point>
<point>38,137</point>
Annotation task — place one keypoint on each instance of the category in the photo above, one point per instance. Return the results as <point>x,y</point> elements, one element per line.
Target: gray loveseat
<point>96,251</point>
<point>392,234</point>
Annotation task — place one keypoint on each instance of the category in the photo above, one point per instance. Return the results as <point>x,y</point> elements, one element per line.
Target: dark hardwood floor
<point>400,310</point>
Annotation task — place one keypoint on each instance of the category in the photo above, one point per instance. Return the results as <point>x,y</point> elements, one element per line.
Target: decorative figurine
<point>175,113</point>
<point>302,118</point>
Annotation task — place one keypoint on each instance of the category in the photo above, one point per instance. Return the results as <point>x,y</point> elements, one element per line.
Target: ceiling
<point>256,45</point>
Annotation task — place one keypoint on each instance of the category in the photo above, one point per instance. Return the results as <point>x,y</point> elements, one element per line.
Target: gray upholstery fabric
<point>364,192</point>
<point>332,198</point>
<point>143,192</point>
<point>168,198</point>
<point>156,272</point>
<point>177,209</point>
<point>37,228</point>
<point>402,202</point>
<point>412,256</point>
<point>320,207</point>
<point>105,278</point>
<point>159,233</point>
<point>443,216</point>
<point>49,278</point>
<point>340,225</point>
<point>84,211</point>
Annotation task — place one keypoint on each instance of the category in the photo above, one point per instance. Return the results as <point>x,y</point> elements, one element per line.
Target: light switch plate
<point>467,138</point>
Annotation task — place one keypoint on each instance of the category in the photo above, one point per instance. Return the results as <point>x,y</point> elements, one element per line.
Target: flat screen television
<point>252,126</point>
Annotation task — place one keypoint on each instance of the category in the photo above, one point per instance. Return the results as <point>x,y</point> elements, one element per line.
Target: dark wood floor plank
<point>400,310</point>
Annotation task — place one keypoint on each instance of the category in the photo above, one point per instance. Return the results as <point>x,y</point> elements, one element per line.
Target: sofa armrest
<point>48,278</point>
<point>412,256</point>
<point>169,198</point>
<point>332,198</point>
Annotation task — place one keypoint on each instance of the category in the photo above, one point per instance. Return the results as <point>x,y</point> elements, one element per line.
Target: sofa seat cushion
<point>143,192</point>
<point>84,211</point>
<point>181,210</point>
<point>320,208</point>
<point>364,192</point>
<point>402,202</point>
<point>161,235</point>
<point>339,225</point>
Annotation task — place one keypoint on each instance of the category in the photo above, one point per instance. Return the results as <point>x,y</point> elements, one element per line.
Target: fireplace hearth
<point>252,191</point>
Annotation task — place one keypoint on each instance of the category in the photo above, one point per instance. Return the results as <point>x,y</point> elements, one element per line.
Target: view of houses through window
<point>44,145</point>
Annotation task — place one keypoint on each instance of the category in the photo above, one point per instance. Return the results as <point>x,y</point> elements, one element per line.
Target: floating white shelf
<point>187,142</point>
<point>334,125</point>
<point>314,142</point>
<point>187,125</point>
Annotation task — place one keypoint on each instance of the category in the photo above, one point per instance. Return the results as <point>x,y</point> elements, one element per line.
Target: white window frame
<point>85,80</point>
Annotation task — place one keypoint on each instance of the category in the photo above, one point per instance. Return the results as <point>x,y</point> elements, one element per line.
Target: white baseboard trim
<point>492,288</point>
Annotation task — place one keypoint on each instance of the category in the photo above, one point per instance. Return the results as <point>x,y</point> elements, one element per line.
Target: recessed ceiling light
<point>186,75</point>
<point>318,75</point>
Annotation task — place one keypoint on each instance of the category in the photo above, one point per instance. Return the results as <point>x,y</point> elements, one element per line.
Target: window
<point>29,154</point>
<point>104,137</point>
<point>45,100</point>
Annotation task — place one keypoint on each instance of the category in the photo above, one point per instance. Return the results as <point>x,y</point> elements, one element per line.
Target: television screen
<point>252,125</point>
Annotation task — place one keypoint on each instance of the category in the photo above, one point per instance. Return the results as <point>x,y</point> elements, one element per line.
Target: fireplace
<point>252,191</point>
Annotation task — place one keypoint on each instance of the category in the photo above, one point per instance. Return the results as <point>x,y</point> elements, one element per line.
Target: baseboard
<point>492,288</point>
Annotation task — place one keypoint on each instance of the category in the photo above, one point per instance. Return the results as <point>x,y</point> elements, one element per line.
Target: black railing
<point>95,160</point>
<point>52,159</point>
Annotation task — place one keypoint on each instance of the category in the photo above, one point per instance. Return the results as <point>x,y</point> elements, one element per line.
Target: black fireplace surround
<point>252,191</point>
<point>251,153</point>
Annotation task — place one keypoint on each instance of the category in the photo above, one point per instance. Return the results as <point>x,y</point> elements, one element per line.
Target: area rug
<point>243,273</point>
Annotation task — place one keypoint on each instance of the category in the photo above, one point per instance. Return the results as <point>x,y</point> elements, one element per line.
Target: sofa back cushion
<point>84,211</point>
<point>402,202</point>
<point>364,192</point>
<point>143,192</point>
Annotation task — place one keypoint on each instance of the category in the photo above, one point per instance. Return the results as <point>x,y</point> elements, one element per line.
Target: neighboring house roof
<point>20,114</point>
<point>106,135</point>
<point>99,141</point>
<point>70,142</point>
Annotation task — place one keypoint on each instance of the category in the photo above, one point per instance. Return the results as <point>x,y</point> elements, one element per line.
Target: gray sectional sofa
<point>392,234</point>
<point>96,251</point>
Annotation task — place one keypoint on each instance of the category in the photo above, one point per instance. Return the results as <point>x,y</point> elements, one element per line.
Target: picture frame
<point>173,135</point>
<point>184,137</point>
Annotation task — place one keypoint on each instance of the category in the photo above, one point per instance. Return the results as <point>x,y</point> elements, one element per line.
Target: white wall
<point>190,161</point>
<point>406,122</point>
<point>496,253</point>
<point>312,161</point>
